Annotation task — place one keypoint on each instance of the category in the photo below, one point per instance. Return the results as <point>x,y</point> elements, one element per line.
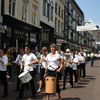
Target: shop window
<point>34,18</point>
<point>12,7</point>
<point>8,31</point>
<point>45,37</point>
<point>24,10</point>
<point>33,37</point>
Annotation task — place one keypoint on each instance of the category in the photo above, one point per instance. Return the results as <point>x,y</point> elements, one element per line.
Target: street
<point>87,89</point>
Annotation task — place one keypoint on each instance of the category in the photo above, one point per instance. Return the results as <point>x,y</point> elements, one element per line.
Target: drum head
<point>22,74</point>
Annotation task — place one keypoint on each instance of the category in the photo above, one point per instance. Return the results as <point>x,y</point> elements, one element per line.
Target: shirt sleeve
<point>5,60</point>
<point>34,57</point>
<point>58,56</point>
<point>17,59</point>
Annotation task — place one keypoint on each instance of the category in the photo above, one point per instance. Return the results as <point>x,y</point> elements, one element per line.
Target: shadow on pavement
<point>96,66</point>
<point>90,77</point>
<point>71,98</point>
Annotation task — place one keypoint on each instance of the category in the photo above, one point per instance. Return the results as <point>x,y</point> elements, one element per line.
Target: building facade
<point>42,22</point>
<point>21,21</point>
<point>59,22</point>
<point>73,17</point>
<point>47,8</point>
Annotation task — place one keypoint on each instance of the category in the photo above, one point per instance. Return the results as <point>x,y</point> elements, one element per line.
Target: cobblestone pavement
<point>87,89</point>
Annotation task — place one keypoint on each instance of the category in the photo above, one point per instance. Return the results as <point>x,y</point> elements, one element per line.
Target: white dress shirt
<point>3,66</point>
<point>18,59</point>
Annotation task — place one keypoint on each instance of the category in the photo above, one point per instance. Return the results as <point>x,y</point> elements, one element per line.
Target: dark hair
<point>28,46</point>
<point>2,50</point>
<point>21,48</point>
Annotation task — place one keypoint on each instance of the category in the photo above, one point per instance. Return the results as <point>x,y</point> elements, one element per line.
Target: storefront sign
<point>97,42</point>
<point>60,41</point>
<point>46,30</point>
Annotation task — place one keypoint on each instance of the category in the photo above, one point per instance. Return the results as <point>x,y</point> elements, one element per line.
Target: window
<point>70,7</point>
<point>59,11</point>
<point>58,27</point>
<point>48,10</point>
<point>45,37</point>
<point>24,10</point>
<point>34,18</point>
<point>69,34</point>
<point>62,29</point>
<point>12,7</point>
<point>56,8</point>
<point>55,24</point>
<point>44,7</point>
<point>62,14</point>
<point>74,37</point>
<point>51,13</point>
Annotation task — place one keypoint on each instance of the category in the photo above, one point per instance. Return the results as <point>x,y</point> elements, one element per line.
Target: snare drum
<point>25,77</point>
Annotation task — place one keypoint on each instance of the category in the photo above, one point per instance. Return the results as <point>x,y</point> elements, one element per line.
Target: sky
<point>91,10</point>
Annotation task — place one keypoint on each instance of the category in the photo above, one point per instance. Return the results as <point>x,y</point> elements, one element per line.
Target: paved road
<point>87,89</point>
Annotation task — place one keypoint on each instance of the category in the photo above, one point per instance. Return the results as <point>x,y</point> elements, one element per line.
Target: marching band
<point>53,65</point>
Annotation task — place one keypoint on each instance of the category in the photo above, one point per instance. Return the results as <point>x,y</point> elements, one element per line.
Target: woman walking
<point>53,60</point>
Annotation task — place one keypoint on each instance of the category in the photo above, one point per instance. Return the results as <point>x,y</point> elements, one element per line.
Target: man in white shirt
<point>28,59</point>
<point>83,63</point>
<point>69,57</point>
<point>18,62</point>
<point>3,66</point>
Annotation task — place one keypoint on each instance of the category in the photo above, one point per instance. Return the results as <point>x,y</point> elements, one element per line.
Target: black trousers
<point>42,72</point>
<point>31,84</point>
<point>18,80</point>
<point>66,71</point>
<point>3,78</point>
<point>9,69</point>
<point>75,75</point>
<point>82,70</point>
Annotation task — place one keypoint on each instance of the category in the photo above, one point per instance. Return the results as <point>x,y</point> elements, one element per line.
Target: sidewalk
<point>87,89</point>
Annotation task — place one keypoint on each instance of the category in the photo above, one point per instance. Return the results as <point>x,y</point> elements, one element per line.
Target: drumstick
<point>52,67</point>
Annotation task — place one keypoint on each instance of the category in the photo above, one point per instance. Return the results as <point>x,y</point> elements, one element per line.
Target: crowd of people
<point>54,63</point>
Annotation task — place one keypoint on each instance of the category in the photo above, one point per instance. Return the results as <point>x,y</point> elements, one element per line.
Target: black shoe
<point>16,90</point>
<point>5,95</point>
<point>19,98</point>
<point>72,86</point>
<point>34,96</point>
